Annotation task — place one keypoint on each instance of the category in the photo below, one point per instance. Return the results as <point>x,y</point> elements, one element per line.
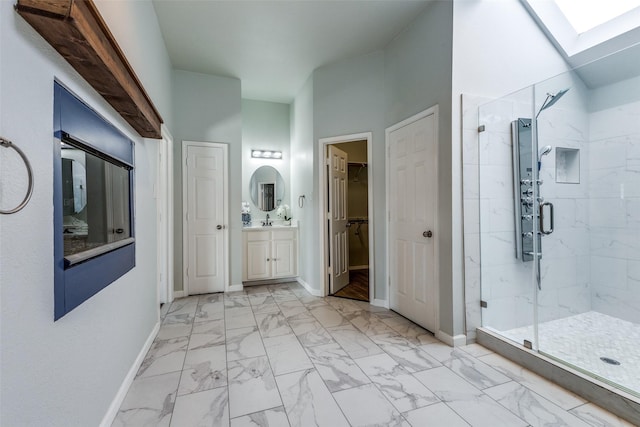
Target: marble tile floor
<point>581,340</point>
<point>275,355</point>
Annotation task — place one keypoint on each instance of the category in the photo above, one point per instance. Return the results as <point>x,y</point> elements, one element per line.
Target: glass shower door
<point>507,175</point>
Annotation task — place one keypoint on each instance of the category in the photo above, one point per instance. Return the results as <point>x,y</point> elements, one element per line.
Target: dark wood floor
<point>358,287</point>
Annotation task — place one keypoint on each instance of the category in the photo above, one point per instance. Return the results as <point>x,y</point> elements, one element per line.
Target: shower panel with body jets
<point>529,205</point>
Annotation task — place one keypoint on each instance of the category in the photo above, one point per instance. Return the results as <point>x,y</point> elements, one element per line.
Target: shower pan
<point>560,253</point>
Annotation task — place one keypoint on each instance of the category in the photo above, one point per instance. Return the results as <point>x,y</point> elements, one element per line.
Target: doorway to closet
<point>347,235</point>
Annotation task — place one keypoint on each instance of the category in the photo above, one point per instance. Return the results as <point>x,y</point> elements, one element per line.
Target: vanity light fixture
<point>266,154</point>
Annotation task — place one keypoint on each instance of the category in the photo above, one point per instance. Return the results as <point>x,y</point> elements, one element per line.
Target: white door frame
<point>225,211</point>
<point>432,110</point>
<point>164,201</point>
<point>322,197</point>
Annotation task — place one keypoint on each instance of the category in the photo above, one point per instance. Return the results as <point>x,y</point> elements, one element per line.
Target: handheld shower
<point>543,152</point>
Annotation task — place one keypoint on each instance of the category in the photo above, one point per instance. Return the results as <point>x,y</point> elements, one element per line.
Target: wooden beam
<point>77,31</point>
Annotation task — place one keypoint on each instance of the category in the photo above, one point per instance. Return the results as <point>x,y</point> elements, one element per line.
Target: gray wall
<point>418,71</point>
<point>302,166</point>
<point>265,125</point>
<point>370,93</point>
<point>67,372</point>
<point>349,98</point>
<point>208,109</point>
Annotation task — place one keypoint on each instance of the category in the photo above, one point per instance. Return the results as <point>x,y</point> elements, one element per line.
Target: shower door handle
<point>541,215</point>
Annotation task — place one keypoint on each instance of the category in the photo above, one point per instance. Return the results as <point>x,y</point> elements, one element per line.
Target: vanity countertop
<point>275,226</point>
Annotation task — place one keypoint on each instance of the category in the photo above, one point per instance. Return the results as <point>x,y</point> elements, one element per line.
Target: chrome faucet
<point>266,222</point>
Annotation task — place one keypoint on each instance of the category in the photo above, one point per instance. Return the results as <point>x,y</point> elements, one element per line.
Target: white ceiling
<point>273,46</point>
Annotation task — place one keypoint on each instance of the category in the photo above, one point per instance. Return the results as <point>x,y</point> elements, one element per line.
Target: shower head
<point>544,151</point>
<point>552,99</point>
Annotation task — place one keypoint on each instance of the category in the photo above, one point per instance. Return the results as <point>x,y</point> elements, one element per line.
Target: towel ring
<point>9,144</point>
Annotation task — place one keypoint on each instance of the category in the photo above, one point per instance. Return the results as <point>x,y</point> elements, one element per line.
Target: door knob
<point>218,227</point>
<point>119,230</point>
<point>427,233</point>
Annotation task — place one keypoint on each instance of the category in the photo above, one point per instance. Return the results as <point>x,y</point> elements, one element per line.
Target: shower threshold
<point>615,400</point>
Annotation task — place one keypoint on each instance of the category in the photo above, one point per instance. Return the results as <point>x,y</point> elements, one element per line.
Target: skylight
<point>585,30</point>
<point>584,15</point>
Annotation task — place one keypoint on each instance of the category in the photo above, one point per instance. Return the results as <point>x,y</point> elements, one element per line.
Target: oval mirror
<point>266,188</point>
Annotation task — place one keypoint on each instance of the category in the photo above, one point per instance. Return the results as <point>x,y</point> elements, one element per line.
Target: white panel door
<point>412,195</point>
<point>205,228</point>
<point>338,219</point>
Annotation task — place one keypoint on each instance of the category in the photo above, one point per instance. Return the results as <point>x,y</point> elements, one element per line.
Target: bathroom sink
<point>267,227</point>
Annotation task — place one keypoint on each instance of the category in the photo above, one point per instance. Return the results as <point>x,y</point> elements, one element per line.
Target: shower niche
<point>567,165</point>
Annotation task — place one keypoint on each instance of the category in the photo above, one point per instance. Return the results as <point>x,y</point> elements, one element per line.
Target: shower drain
<point>609,361</point>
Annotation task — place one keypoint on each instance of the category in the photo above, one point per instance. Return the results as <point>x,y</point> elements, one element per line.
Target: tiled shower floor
<point>581,341</point>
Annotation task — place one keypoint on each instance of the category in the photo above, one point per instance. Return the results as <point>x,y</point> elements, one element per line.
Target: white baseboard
<point>456,341</point>
<point>380,303</point>
<point>234,288</point>
<point>178,294</point>
<point>358,267</point>
<point>249,283</point>
<point>108,418</point>
<point>312,291</point>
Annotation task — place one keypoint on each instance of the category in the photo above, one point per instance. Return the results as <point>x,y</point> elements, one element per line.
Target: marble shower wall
<point>614,206</point>
<point>565,261</point>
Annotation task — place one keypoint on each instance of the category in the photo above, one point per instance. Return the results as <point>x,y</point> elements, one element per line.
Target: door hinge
<point>187,272</point>
<point>481,128</point>
<point>483,304</point>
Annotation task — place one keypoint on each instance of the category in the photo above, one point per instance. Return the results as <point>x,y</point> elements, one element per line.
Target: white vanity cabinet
<point>270,253</point>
